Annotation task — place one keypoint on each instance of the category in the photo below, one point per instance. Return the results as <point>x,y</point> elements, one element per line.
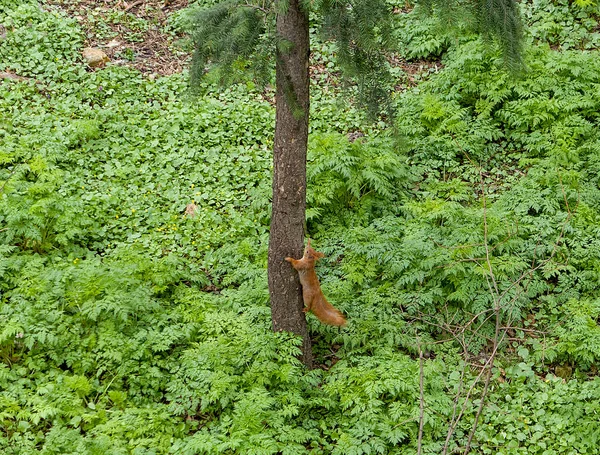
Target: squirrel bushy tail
<point>314,300</point>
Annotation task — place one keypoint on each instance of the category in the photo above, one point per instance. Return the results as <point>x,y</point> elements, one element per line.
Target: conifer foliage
<point>230,32</point>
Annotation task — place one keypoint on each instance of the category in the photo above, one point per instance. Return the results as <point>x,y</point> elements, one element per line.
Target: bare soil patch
<point>132,33</point>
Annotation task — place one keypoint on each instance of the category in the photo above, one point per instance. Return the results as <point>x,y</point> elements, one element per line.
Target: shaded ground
<point>133,33</point>
<point>136,33</point>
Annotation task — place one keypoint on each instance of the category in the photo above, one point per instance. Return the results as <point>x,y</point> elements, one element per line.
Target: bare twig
<point>542,332</point>
<point>490,365</point>
<point>454,421</point>
<point>15,77</point>
<point>257,7</point>
<point>9,176</point>
<point>133,5</point>
<point>501,298</point>
<point>421,401</point>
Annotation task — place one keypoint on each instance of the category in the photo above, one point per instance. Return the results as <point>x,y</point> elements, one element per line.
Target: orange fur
<point>313,297</point>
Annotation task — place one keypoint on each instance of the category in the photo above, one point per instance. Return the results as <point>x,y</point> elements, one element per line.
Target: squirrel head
<point>312,254</point>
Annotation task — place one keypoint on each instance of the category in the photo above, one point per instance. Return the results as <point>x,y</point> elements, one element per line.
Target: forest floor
<point>134,33</point>
<point>137,34</point>
<point>463,245</point>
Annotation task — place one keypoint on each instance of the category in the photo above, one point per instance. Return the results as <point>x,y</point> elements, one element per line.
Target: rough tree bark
<point>289,174</point>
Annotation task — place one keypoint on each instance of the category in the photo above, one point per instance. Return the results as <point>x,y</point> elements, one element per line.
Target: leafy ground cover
<point>469,234</point>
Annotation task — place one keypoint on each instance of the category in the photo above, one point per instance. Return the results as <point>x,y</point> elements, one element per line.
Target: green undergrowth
<point>127,326</point>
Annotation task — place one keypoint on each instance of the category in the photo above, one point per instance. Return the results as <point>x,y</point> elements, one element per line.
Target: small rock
<point>95,58</point>
<point>563,371</point>
<point>113,43</point>
<point>355,135</point>
<point>191,209</point>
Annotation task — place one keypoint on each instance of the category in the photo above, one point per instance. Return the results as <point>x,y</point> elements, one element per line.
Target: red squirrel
<point>313,297</point>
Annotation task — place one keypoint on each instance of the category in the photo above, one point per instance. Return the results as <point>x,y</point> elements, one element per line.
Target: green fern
<point>346,175</point>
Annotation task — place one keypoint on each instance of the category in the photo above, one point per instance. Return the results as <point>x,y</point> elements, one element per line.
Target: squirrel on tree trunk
<point>313,297</point>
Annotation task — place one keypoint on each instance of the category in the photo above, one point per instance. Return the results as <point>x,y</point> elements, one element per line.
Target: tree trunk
<point>289,174</point>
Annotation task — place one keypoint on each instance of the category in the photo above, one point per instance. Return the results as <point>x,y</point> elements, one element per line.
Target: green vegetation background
<point>126,327</point>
